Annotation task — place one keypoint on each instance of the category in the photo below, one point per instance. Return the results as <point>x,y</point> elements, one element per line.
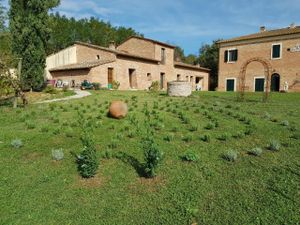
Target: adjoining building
<point>135,64</point>
<point>280,49</point>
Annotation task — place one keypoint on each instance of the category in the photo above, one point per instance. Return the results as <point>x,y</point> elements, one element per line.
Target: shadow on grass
<point>132,161</point>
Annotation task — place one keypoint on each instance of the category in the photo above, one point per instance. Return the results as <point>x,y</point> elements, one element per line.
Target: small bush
<point>65,88</point>
<point>69,132</point>
<point>153,157</point>
<point>285,123</point>
<point>210,126</point>
<point>113,144</point>
<point>188,138</point>
<point>155,86</point>
<point>30,125</point>
<point>190,156</point>
<point>87,161</point>
<point>58,154</point>
<point>193,128</point>
<point>17,143</point>
<point>169,138</point>
<point>50,90</point>
<point>115,85</point>
<point>45,129</point>
<point>296,136</point>
<point>224,137</point>
<point>206,138</point>
<point>56,131</point>
<point>96,86</point>
<point>239,135</point>
<point>230,156</point>
<point>274,145</point>
<point>255,151</point>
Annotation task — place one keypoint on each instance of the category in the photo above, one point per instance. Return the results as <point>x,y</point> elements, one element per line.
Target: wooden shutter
<point>226,56</point>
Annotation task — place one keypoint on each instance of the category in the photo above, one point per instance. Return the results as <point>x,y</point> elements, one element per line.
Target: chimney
<point>112,45</point>
<point>262,29</point>
<point>292,26</point>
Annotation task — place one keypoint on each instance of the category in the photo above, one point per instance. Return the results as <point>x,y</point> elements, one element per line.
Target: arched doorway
<point>275,82</point>
<point>242,77</point>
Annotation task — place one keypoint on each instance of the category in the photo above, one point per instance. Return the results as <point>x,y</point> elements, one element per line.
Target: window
<point>178,77</point>
<point>163,56</point>
<point>231,55</point>
<point>149,77</point>
<point>98,56</point>
<point>276,51</point>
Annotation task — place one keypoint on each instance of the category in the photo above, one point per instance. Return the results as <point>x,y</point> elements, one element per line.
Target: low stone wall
<point>179,89</point>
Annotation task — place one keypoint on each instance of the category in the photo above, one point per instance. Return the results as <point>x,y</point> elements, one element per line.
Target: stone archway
<point>242,77</point>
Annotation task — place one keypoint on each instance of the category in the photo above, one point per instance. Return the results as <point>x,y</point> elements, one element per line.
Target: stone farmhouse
<point>267,59</point>
<point>135,64</point>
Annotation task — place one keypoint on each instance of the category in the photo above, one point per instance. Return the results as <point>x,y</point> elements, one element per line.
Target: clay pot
<point>118,109</point>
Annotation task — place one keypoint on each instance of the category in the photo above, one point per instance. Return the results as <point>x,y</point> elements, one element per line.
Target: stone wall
<point>288,67</point>
<point>179,89</point>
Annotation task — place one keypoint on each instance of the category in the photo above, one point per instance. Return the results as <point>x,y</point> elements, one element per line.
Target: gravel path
<point>79,94</point>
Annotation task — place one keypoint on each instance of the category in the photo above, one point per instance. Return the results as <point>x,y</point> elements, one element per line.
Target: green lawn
<point>34,189</point>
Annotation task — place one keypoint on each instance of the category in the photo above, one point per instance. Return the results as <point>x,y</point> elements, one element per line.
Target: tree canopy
<point>29,27</point>
<point>91,30</point>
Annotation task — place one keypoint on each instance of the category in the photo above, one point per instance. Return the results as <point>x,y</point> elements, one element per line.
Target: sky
<point>188,23</point>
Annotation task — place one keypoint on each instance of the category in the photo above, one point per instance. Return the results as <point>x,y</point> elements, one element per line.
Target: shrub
<point>115,85</point>
<point>274,119</point>
<point>239,135</point>
<point>96,86</point>
<point>113,144</point>
<point>131,134</point>
<point>296,136</point>
<point>57,154</point>
<point>274,145</point>
<point>193,128</point>
<point>153,157</point>
<point>190,156</point>
<point>56,131</point>
<point>188,138</point>
<point>155,86</point>
<point>210,126</point>
<point>230,156</point>
<point>169,138</point>
<point>65,88</point>
<point>17,143</point>
<point>50,90</point>
<point>45,129</point>
<point>87,161</point>
<point>285,123</point>
<point>30,125</point>
<point>206,138</point>
<point>69,132</point>
<point>224,137</point>
<point>255,151</point>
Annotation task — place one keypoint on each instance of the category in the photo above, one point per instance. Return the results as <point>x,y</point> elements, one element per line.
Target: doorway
<point>110,77</point>
<point>275,82</point>
<point>259,84</point>
<point>132,79</point>
<point>230,85</point>
<point>162,80</point>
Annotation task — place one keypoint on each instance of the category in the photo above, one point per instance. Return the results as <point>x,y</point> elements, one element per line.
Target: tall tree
<point>191,59</point>
<point>29,27</point>
<point>2,17</point>
<point>209,57</point>
<point>179,54</point>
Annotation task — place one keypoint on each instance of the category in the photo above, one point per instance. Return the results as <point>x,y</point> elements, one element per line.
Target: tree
<point>29,27</point>
<point>191,59</point>
<point>209,57</point>
<point>179,54</point>
<point>2,17</point>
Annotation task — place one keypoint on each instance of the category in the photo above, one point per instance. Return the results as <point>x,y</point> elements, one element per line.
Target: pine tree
<point>29,26</point>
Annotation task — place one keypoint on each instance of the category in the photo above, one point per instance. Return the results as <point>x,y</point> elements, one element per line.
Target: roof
<point>189,66</point>
<point>82,65</point>
<point>117,52</point>
<point>151,40</point>
<point>265,34</point>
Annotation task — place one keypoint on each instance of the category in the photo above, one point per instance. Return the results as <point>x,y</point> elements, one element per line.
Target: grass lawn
<point>265,189</point>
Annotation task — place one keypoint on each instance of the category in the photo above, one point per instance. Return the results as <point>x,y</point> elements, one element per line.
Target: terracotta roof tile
<point>181,64</point>
<point>82,65</point>
<point>265,34</point>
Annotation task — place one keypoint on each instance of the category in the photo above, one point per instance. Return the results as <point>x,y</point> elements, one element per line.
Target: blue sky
<point>188,23</point>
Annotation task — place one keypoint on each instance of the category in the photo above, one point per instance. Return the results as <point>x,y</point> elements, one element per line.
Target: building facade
<point>278,48</point>
<point>135,64</point>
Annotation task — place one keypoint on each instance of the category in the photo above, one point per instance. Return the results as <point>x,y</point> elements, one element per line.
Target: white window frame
<point>230,78</point>
<point>259,77</point>
<point>228,50</point>
<point>280,51</point>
